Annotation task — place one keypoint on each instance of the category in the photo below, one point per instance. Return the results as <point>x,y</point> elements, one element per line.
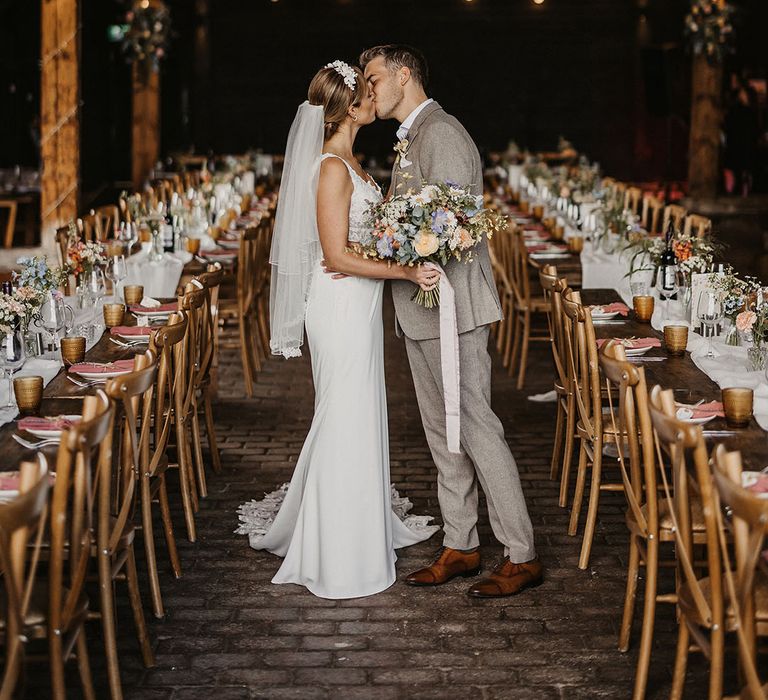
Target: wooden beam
<point>706,118</point>
<point>145,128</point>
<point>59,114</point>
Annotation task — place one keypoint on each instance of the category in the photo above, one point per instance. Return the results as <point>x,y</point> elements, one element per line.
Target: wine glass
<point>709,311</point>
<point>128,235</point>
<point>11,358</point>
<point>116,272</point>
<point>683,286</point>
<point>666,284</point>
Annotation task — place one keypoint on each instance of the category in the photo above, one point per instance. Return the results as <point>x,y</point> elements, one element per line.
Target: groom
<point>434,147</point>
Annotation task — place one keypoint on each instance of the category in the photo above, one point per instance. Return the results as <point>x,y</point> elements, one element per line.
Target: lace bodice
<point>364,192</point>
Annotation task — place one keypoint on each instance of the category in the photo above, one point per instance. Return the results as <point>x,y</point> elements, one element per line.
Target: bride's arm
<point>334,194</point>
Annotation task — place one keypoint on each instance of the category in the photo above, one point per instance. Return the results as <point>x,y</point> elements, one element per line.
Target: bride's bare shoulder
<point>334,175</point>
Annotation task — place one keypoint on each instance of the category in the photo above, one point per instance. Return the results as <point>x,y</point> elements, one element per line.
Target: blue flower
<point>439,220</point>
<point>384,247</point>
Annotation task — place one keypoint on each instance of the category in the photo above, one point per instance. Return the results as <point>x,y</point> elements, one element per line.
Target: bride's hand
<point>426,277</point>
<point>334,275</point>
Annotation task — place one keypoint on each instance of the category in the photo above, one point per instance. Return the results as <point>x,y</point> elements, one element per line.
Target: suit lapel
<point>431,108</point>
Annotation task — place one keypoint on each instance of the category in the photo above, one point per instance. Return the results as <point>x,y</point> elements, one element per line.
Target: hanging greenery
<point>146,40</point>
<point>709,29</point>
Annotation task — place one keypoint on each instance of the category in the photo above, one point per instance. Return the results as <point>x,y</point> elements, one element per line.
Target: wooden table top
<point>688,381</point>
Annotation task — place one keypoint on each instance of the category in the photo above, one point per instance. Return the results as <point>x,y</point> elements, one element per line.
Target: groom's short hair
<point>397,56</point>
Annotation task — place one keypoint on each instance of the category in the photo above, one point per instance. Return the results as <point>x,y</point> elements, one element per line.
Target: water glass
<point>11,358</point>
<point>710,312</point>
<point>116,272</point>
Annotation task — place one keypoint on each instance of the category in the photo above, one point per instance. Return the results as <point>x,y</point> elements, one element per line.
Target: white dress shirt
<point>402,130</point>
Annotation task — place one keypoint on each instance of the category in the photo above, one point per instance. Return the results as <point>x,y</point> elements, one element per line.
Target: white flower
<point>345,71</point>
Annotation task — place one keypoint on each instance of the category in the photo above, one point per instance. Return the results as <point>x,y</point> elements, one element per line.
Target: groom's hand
<point>334,275</point>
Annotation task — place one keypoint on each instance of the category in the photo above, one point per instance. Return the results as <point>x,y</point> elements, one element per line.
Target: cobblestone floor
<point>230,633</point>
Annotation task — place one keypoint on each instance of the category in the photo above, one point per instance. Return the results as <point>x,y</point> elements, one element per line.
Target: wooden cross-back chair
<point>650,217</point>
<point>263,276</point>
<point>565,425</point>
<point>118,479</point>
<point>591,427</point>
<point>632,199</point>
<point>500,250</point>
<point>697,226</point>
<point>107,218</point>
<point>158,412</point>
<point>11,208</point>
<point>24,610</point>
<point>525,308</point>
<point>745,570</point>
<point>673,213</point>
<point>700,600</point>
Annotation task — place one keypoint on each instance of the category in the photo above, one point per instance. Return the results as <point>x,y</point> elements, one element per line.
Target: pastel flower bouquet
<point>439,223</point>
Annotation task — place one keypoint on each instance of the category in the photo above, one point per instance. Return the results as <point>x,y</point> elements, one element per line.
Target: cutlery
<point>35,445</point>
<point>646,359</point>
<point>83,384</point>
<point>128,343</point>
<point>718,433</point>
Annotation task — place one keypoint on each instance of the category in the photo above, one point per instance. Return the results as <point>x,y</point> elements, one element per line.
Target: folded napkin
<point>542,247</point>
<point>619,306</point>
<point>102,367</point>
<point>130,330</point>
<point>171,306</point>
<point>218,252</point>
<point>712,408</point>
<point>760,485</point>
<point>10,481</point>
<point>633,343</point>
<point>533,227</point>
<point>45,423</point>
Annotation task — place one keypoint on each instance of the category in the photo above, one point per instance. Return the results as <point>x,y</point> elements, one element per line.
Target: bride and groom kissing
<point>334,525</point>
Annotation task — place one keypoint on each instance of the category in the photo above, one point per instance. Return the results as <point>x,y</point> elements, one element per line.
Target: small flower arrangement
<point>737,294</point>
<point>11,313</point>
<point>147,38</point>
<point>36,274</point>
<point>83,256</point>
<point>693,255</point>
<point>709,29</point>
<point>437,224</point>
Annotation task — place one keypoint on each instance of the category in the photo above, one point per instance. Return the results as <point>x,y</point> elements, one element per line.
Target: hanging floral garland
<point>709,29</point>
<point>146,40</point>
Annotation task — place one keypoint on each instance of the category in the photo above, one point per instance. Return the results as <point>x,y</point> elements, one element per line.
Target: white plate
<point>686,414</point>
<point>102,375</point>
<point>152,312</point>
<point>132,338</point>
<point>635,352</point>
<point>603,316</point>
<point>51,433</point>
<point>548,256</point>
<point>747,479</point>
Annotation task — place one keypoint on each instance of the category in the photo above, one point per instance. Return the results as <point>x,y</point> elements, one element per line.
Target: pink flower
<point>745,320</point>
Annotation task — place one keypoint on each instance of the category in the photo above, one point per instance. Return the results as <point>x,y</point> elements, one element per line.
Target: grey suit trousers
<point>485,454</point>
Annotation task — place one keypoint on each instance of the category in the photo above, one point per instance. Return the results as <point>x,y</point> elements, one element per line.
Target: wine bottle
<point>668,262</point>
<point>168,231</point>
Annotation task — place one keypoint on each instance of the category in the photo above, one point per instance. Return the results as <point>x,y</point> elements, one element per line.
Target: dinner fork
<point>35,445</point>
<point>129,343</point>
<point>82,383</point>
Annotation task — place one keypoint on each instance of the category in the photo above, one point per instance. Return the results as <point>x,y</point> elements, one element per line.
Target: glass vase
<point>756,356</point>
<point>732,336</point>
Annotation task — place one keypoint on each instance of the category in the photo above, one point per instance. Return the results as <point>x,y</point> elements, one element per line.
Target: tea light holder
<point>643,306</point>
<point>72,350</point>
<point>676,339</point>
<point>133,293</point>
<point>29,394</point>
<point>113,314</point>
<point>737,406</point>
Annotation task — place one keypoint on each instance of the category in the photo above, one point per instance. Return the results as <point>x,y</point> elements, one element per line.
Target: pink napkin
<point>548,247</point>
<point>9,481</point>
<point>761,485</point>
<point>45,423</point>
<point>622,308</point>
<point>131,330</point>
<point>707,409</point>
<point>171,306</point>
<point>101,367</point>
<point>217,252</point>
<point>635,342</point>
<point>533,227</point>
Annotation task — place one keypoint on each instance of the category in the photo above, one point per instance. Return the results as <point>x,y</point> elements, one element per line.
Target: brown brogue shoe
<point>508,579</point>
<point>448,565</point>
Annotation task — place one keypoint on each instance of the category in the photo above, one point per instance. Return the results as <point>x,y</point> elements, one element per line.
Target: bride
<point>334,526</point>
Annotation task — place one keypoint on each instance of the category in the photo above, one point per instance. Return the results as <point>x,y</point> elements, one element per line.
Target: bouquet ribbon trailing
<point>449,360</point>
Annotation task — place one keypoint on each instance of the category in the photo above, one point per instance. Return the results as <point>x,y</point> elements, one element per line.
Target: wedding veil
<point>295,241</point>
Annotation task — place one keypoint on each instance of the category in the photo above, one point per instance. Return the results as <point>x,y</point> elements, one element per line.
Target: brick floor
<point>230,633</point>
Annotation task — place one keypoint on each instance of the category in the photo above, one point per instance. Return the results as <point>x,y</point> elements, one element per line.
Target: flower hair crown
<point>345,71</point>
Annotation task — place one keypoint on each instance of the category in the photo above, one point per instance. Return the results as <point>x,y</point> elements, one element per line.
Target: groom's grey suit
<point>440,150</point>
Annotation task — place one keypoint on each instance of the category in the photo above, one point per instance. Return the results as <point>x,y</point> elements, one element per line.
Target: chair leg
<point>106,589</point>
<point>716,661</point>
<point>557,445</point>
<point>210,431</point>
<point>254,342</point>
<point>244,358</point>
<point>170,539</point>
<point>147,530</point>
<point>630,594</point>
<point>56,662</point>
<point>517,330</point>
<point>570,431</point>
<point>84,666</point>
<point>501,325</point>
<point>524,349</point>
<point>134,595</point>
<point>263,329</point>
<point>649,619</point>
<point>197,448</point>
<point>578,493</point>
<point>681,658</point>
<point>508,337</point>
<point>187,500</point>
<point>594,502</point>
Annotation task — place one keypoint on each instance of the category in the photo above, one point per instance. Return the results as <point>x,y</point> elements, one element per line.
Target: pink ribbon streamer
<point>449,361</point>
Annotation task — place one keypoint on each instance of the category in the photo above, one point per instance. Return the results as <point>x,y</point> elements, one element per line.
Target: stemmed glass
<point>116,272</point>
<point>127,235</point>
<point>11,358</point>
<point>666,284</point>
<point>96,286</point>
<point>53,316</point>
<point>709,311</point>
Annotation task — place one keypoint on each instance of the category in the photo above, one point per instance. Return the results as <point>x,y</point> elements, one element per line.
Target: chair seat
<point>666,525</point>
<point>37,612</point>
<point>535,304</point>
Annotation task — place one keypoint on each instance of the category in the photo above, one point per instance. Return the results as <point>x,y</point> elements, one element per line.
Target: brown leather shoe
<point>448,565</point>
<point>508,579</point>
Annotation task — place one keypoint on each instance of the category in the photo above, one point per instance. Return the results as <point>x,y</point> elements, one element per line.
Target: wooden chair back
<point>650,217</point>
<point>697,226</point>
<point>22,524</point>
<point>683,446</point>
<point>674,213</point>
<point>246,271</point>
<point>632,199</point>
<point>748,525</point>
<point>107,219</point>
<point>553,287</point>
<point>211,280</point>
<point>520,265</point>
<point>12,208</point>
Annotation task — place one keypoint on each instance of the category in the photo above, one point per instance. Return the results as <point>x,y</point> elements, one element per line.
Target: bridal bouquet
<point>437,224</point>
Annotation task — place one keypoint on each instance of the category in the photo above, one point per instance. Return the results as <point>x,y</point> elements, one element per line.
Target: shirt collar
<point>402,130</point>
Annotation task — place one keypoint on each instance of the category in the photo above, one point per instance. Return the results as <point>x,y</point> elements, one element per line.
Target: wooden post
<point>59,114</point>
<point>145,127</point>
<point>706,120</point>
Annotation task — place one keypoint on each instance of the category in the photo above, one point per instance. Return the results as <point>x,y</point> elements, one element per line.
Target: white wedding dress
<point>338,523</point>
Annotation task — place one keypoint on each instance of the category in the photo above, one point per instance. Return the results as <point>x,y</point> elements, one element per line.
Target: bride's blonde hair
<point>329,90</point>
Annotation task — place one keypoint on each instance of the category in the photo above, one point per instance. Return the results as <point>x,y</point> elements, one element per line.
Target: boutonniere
<point>401,148</point>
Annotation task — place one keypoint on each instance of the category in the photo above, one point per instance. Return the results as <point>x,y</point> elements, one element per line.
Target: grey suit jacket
<point>440,149</point>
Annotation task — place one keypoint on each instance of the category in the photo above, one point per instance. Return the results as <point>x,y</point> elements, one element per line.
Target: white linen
<point>159,279</point>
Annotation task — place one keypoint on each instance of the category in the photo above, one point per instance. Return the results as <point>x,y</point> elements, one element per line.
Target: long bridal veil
<point>295,241</point>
